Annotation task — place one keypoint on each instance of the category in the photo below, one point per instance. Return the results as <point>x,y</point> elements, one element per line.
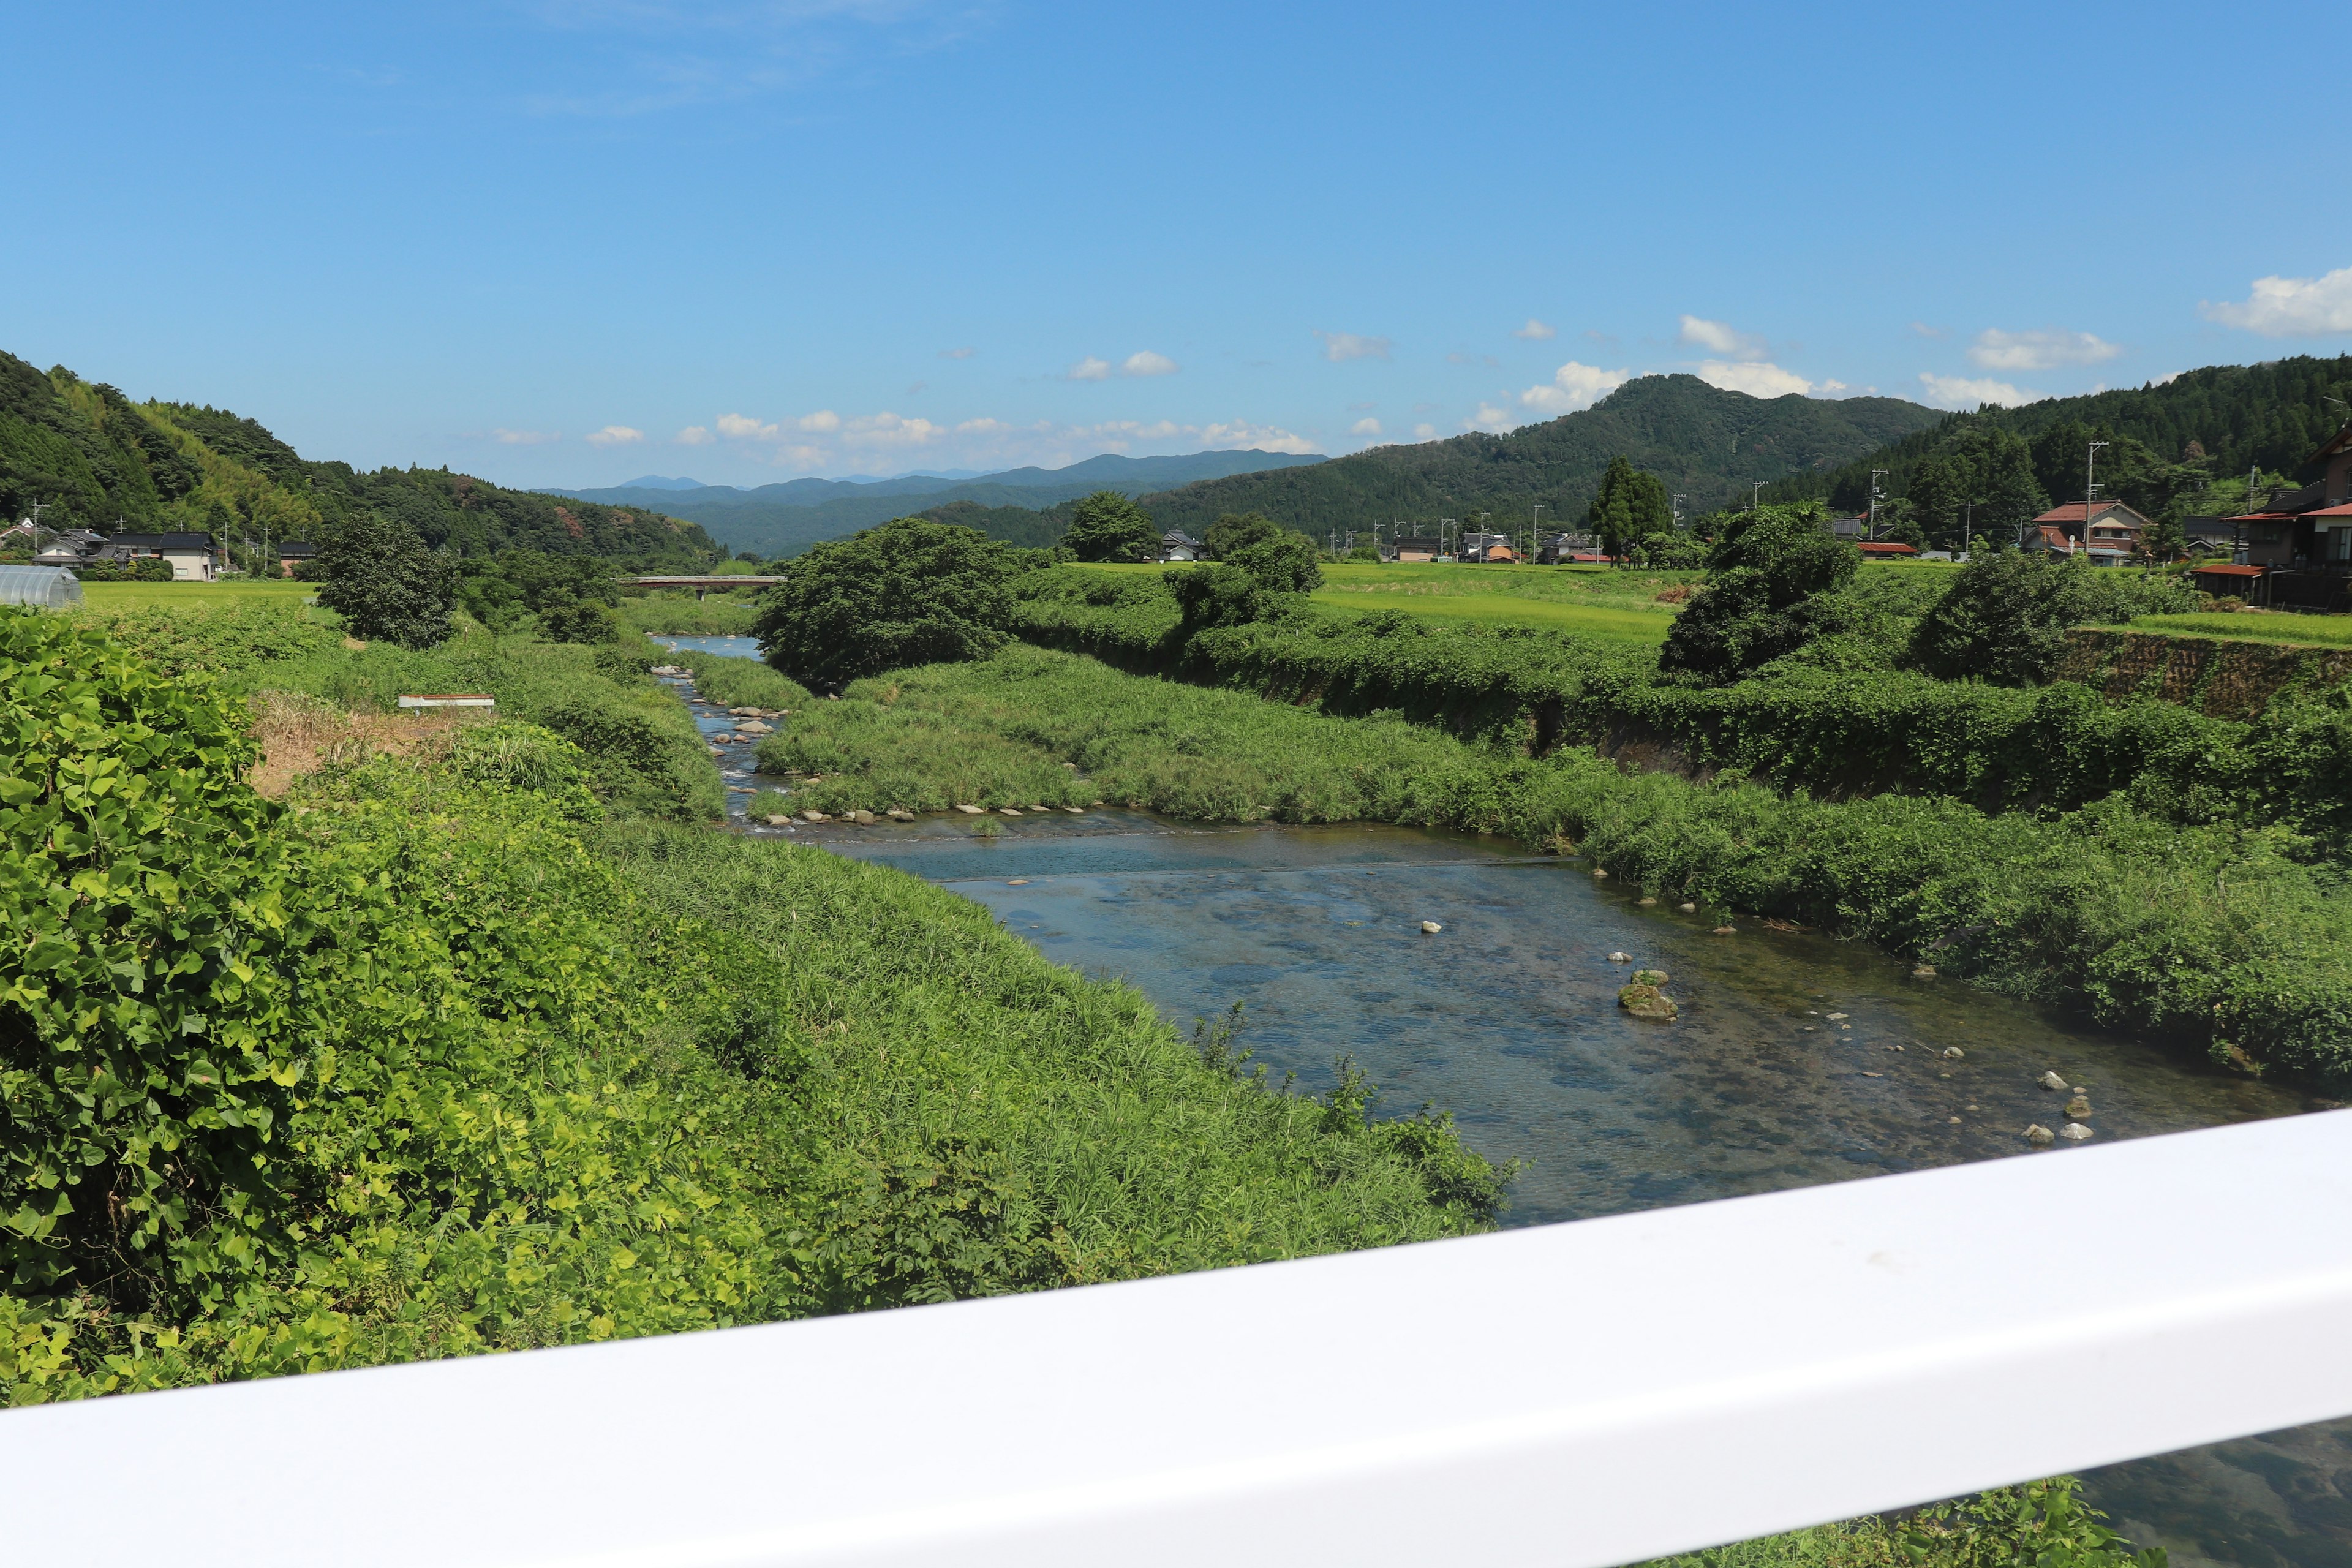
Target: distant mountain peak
<point>656,482</point>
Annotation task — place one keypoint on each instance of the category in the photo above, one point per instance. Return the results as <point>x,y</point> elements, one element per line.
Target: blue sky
<point>569,242</point>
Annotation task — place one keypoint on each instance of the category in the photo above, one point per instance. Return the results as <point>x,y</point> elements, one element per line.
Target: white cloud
<point>1492,419</point>
<point>694,436</point>
<point>824,422</point>
<point>1998,350</point>
<point>958,353</point>
<point>1536,331</point>
<point>1343,346</point>
<point>615,436</point>
<point>1090,369</point>
<point>1242,435</point>
<point>1968,391</point>
<point>1365,427</point>
<point>524,437</point>
<point>1146,362</point>
<point>1755,378</point>
<point>1722,338</point>
<point>737,427</point>
<point>1832,388</point>
<point>1925,331</point>
<point>885,429</point>
<point>1424,432</point>
<point>2291,307</point>
<point>1574,386</point>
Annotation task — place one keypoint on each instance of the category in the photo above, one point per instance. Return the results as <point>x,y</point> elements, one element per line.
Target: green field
<point>2317,631</point>
<point>141,595</point>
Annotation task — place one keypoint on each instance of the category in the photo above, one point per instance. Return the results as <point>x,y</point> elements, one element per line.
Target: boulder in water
<point>1649,977</point>
<point>1726,930</point>
<point>1953,1053</point>
<point>2041,1137</point>
<point>1620,958</point>
<point>1925,971</point>
<point>2078,1108</point>
<point>814,816</point>
<point>1646,1002</point>
<point>899,814</point>
<point>972,810</point>
<point>1688,909</point>
<point>1429,928</point>
<point>2075,1130</point>
<point>2052,1080</point>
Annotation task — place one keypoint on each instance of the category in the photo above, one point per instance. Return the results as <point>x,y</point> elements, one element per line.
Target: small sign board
<point>449,699</point>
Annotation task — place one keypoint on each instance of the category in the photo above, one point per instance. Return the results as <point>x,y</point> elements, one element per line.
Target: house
<point>2232,578</point>
<point>293,554</point>
<point>1884,549</point>
<point>1414,547</point>
<point>1493,548</point>
<point>2211,536</point>
<point>2302,537</point>
<point>2105,532</point>
<point>73,547</point>
<point>192,555</point>
<point>1552,549</point>
<point>2043,538</point>
<point>1856,527</point>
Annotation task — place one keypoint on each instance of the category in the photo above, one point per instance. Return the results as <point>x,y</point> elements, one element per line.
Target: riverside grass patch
<point>2229,938</point>
<point>1836,722</point>
<point>439,1061</point>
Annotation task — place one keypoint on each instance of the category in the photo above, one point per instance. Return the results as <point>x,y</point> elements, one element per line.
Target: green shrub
<point>1772,586</point>
<point>909,591</point>
<point>381,578</point>
<point>1107,526</point>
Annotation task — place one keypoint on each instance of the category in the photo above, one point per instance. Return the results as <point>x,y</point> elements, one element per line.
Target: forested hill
<point>2188,448</point>
<point>1706,444</point>
<point>786,519</point>
<point>93,459</point>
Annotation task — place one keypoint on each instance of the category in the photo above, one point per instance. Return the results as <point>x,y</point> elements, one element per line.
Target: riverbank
<point>521,1053</point>
<point>2217,937</point>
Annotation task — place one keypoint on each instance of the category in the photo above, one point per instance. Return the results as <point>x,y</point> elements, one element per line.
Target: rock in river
<point>2052,1080</point>
<point>1646,1002</point>
<point>1620,958</point>
<point>1649,977</point>
<point>2041,1137</point>
<point>2078,1108</point>
<point>1429,928</point>
<point>2075,1130</point>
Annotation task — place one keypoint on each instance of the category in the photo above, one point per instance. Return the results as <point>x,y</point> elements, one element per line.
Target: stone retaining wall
<point>2222,677</point>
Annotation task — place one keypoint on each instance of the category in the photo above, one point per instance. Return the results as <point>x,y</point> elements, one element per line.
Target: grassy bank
<point>462,1050</point>
<point>2218,937</point>
<point>1827,723</point>
<point>676,612</point>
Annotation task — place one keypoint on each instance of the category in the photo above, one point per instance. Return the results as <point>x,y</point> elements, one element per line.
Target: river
<point>1796,1059</point>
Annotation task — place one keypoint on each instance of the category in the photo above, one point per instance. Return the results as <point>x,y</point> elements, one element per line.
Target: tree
<point>1629,505</point>
<point>1772,586</point>
<point>378,575</point>
<point>909,591</point>
<point>1107,526</point>
<point>1979,480</point>
<point>1279,560</point>
<point>566,594</point>
<point>2004,620</point>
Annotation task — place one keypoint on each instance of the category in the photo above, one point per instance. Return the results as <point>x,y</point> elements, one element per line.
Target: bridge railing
<point>1574,1395</point>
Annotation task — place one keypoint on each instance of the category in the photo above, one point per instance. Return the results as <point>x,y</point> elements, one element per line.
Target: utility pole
<point>1535,531</point>
<point>1674,505</point>
<point>1875,475</point>
<point>2090,490</point>
<point>1755,494</point>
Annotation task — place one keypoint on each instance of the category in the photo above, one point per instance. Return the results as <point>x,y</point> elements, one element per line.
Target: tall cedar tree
<point>1631,505</point>
<point>1106,526</point>
<point>380,577</point>
<point>909,591</point>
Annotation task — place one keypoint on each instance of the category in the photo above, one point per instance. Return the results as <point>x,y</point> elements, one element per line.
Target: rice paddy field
<point>149,596</point>
<point>2253,625</point>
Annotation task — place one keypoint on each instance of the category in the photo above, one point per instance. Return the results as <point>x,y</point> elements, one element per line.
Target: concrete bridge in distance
<point>705,584</point>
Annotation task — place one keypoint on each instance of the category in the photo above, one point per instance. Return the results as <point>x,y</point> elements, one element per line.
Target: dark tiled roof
<point>163,541</point>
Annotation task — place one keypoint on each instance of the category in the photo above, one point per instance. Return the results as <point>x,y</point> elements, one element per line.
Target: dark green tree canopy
<point>1629,505</point>
<point>1774,583</point>
<point>2004,620</point>
<point>1979,481</point>
<point>1106,526</point>
<point>909,591</point>
<point>567,593</point>
<point>1279,560</point>
<point>380,577</point>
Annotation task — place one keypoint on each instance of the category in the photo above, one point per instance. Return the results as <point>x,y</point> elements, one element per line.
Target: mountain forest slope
<point>2187,445</point>
<point>786,519</point>
<point>1706,444</point>
<point>91,458</point>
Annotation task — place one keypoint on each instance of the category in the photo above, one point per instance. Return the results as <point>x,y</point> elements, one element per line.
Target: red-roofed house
<point>1883,548</point>
<point>2106,533</point>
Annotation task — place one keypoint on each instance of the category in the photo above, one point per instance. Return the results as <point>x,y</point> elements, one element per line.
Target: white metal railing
<point>1573,1394</point>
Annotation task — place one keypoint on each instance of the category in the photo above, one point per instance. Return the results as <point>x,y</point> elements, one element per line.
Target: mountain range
<point>787,518</point>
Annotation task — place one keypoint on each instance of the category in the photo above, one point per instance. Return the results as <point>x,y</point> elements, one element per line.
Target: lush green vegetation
<point>909,592</point>
<point>2183,448</point>
<point>674,612</point>
<point>2222,935</point>
<point>89,456</point>
<point>377,574</point>
<point>2322,631</point>
<point>1106,526</point>
<point>480,1048</point>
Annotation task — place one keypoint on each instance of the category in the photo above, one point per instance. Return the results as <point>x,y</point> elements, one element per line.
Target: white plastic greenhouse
<point>43,587</point>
